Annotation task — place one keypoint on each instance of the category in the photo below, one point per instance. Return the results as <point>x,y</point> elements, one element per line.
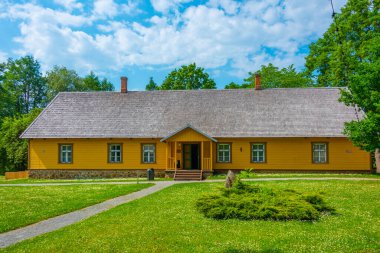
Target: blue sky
<point>142,39</point>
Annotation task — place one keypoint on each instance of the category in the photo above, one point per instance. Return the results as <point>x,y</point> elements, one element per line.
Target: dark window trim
<point>217,150</point>
<point>59,152</point>
<point>265,152</point>
<point>142,153</point>
<point>109,154</point>
<point>327,151</point>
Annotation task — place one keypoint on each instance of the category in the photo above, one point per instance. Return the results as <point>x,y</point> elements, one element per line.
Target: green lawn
<point>302,175</point>
<point>38,181</point>
<point>21,206</point>
<point>168,222</point>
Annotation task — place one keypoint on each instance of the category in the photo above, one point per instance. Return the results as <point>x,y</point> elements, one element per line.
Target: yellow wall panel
<point>93,154</point>
<point>282,153</point>
<point>295,154</point>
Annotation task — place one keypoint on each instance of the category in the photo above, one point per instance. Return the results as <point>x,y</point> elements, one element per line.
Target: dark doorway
<point>191,156</point>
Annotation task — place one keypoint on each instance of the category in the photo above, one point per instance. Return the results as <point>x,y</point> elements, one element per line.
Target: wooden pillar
<point>167,153</point>
<point>202,155</point>
<point>175,155</point>
<point>211,160</point>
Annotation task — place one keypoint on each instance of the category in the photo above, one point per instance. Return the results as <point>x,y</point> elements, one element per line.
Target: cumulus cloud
<point>242,35</point>
<point>69,4</point>
<point>167,5</point>
<point>105,8</point>
<point>3,56</point>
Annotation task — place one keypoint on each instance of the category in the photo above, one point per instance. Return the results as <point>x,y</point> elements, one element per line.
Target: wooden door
<point>187,155</point>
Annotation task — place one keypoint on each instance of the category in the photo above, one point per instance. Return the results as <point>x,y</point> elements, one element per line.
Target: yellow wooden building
<point>192,133</point>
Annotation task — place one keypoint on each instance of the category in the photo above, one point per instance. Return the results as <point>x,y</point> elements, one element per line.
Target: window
<point>65,153</point>
<point>148,153</point>
<point>114,153</point>
<point>258,152</point>
<point>224,153</point>
<point>319,152</point>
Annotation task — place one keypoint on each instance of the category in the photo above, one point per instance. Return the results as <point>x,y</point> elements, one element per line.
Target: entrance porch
<point>189,151</point>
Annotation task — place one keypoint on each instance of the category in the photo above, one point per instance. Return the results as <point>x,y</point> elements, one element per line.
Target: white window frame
<point>115,152</point>
<point>65,154</point>
<point>319,152</point>
<point>256,156</point>
<point>224,153</point>
<point>148,153</point>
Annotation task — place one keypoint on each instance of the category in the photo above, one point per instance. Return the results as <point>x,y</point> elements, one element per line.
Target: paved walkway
<point>42,227</point>
<point>55,223</point>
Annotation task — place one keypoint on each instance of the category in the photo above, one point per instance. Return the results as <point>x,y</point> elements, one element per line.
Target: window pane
<point>258,152</point>
<point>319,152</point>
<point>224,152</point>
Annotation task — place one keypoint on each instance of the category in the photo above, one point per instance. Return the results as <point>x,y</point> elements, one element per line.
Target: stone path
<point>42,227</point>
<point>49,225</point>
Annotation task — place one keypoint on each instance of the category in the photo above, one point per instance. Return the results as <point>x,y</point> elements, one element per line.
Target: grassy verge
<point>168,221</point>
<point>39,181</point>
<point>21,206</point>
<point>301,175</point>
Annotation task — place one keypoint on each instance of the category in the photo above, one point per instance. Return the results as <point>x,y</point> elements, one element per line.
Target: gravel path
<point>42,227</point>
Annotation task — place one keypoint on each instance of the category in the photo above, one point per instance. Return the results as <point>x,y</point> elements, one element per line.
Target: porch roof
<point>188,126</point>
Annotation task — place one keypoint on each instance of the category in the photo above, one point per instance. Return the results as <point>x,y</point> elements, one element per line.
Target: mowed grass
<point>167,221</point>
<point>302,175</point>
<point>21,206</point>
<point>95,180</point>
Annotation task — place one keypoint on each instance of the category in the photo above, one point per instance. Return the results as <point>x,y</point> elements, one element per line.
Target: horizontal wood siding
<point>93,154</point>
<point>295,154</point>
<point>282,153</point>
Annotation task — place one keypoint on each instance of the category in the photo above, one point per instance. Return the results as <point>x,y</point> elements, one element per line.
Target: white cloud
<point>166,5</point>
<point>69,4</point>
<point>242,35</point>
<point>131,8</point>
<point>229,6</point>
<point>3,56</point>
<point>105,8</point>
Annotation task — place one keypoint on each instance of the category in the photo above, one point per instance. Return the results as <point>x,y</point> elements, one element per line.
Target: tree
<point>348,54</point>
<point>12,147</point>
<point>151,85</point>
<point>273,77</point>
<point>188,77</point>
<point>233,85</point>
<point>91,82</point>
<point>24,84</point>
<point>62,79</point>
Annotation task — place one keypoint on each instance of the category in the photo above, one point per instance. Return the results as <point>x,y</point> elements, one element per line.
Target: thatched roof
<point>303,112</point>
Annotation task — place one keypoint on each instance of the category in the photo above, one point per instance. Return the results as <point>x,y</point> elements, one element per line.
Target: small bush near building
<point>251,202</point>
<point>247,173</point>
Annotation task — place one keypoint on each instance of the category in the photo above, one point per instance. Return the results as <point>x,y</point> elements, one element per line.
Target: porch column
<point>167,157</point>
<point>211,161</point>
<point>202,151</point>
<point>175,155</point>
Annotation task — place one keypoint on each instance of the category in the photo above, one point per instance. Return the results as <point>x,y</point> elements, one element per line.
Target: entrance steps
<point>187,175</point>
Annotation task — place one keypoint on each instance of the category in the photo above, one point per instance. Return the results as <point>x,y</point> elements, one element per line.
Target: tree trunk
<point>377,159</point>
<point>230,179</point>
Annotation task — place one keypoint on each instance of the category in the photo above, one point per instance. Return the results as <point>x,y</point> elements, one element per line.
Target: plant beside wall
<point>247,173</point>
<point>251,202</point>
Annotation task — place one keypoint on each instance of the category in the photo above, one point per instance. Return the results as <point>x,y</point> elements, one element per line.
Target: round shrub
<point>251,202</point>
